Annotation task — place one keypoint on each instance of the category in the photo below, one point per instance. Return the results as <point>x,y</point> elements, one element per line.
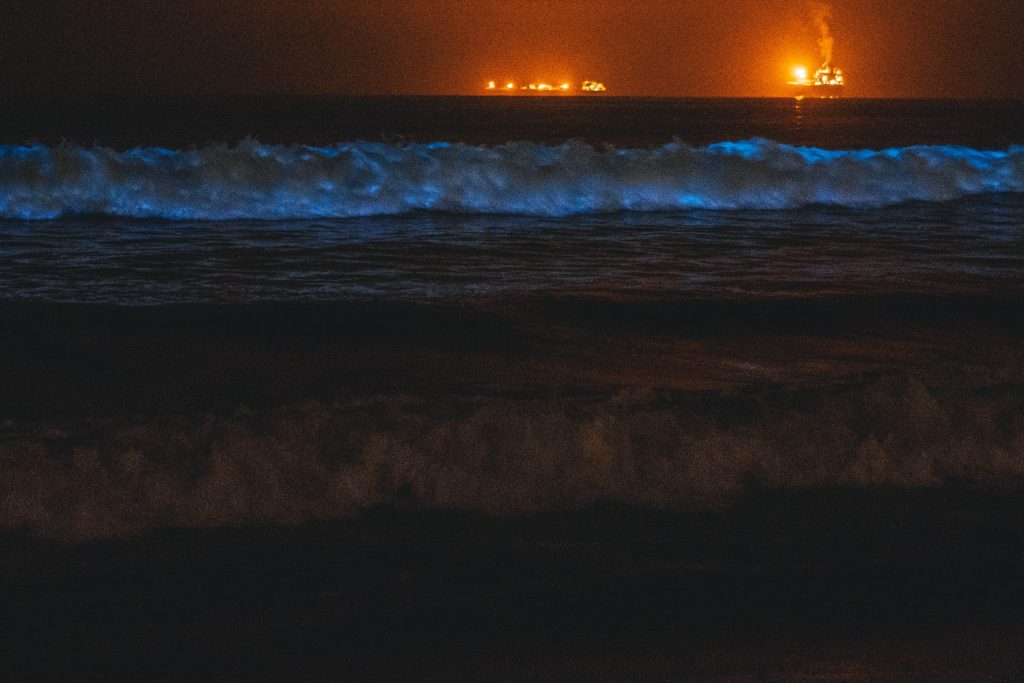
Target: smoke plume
<point>822,14</point>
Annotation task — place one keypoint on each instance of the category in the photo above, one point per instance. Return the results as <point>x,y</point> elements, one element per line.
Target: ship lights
<point>544,86</point>
<point>824,76</point>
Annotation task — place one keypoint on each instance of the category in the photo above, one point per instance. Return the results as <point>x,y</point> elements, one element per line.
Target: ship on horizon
<point>827,82</point>
<point>542,88</point>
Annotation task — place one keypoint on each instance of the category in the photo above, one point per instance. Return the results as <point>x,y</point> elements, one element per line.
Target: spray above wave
<point>256,181</point>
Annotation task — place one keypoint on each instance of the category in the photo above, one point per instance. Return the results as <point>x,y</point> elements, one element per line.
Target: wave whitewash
<point>255,181</point>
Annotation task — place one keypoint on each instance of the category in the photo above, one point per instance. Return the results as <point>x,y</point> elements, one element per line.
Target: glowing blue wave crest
<point>256,181</point>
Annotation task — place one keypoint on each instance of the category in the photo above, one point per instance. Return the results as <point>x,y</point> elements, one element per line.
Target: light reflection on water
<point>972,243</point>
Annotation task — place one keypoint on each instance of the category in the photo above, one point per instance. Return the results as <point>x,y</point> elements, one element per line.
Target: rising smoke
<point>822,13</point>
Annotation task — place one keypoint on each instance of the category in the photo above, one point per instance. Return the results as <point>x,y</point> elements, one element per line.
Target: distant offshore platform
<point>828,81</point>
<point>543,88</point>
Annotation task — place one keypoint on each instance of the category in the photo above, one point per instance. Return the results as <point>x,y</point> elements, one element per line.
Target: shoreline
<point>138,409</point>
<point>67,360</point>
<point>116,420</point>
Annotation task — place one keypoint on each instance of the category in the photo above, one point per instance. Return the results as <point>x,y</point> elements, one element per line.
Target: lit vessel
<point>542,88</point>
<point>827,82</point>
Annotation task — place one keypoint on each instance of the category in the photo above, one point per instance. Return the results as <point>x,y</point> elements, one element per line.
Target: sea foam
<point>500,455</point>
<point>256,181</point>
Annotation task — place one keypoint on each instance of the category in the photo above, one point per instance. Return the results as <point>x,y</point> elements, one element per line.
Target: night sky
<point>918,48</point>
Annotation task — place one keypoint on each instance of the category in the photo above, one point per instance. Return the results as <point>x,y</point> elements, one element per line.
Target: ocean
<point>568,388</point>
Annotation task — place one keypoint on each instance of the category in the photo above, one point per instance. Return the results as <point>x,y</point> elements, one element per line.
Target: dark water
<point>557,389</point>
<point>626,122</point>
<point>970,244</point>
<point>443,259</point>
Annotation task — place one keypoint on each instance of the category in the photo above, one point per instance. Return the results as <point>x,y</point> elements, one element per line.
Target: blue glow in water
<point>275,182</point>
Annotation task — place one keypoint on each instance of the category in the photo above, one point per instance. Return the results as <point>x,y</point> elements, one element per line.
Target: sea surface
<point>701,389</point>
<point>496,245</point>
<point>148,202</point>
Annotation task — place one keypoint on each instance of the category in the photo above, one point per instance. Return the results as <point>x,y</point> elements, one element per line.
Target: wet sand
<point>827,586</point>
<point>66,360</point>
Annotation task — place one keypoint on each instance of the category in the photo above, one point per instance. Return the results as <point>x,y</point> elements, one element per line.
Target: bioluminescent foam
<point>257,181</point>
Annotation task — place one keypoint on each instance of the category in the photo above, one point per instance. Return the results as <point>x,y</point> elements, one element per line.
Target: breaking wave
<point>321,461</point>
<point>257,181</point>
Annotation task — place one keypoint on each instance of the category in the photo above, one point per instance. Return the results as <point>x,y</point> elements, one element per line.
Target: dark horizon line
<point>8,96</point>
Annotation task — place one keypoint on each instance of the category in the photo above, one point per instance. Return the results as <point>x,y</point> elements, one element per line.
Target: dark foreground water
<point>955,246</point>
<point>568,389</point>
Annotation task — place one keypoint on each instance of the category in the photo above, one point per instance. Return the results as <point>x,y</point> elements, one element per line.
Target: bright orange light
<point>826,81</point>
<point>491,85</point>
<point>564,86</point>
<point>510,86</point>
<point>593,86</point>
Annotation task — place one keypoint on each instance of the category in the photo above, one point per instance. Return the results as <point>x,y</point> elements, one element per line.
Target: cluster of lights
<point>826,75</point>
<point>588,86</point>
